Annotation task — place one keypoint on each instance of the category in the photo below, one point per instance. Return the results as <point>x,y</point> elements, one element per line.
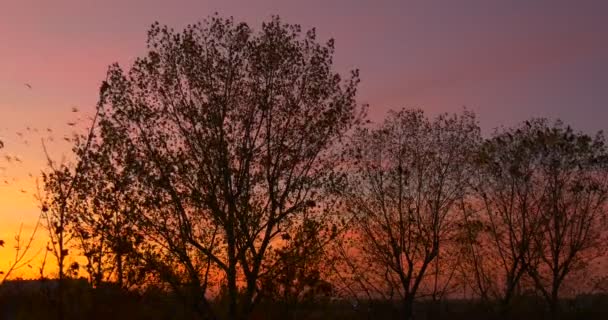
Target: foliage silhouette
<point>210,152</point>
<point>406,177</point>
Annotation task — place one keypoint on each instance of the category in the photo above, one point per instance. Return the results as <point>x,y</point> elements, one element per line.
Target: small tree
<point>60,182</point>
<point>574,169</point>
<point>508,191</point>
<point>405,179</point>
<point>22,257</point>
<point>543,190</point>
<point>55,212</point>
<point>22,248</point>
<point>299,275</point>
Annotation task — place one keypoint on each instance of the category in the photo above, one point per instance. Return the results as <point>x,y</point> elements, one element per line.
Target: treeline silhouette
<point>231,174</point>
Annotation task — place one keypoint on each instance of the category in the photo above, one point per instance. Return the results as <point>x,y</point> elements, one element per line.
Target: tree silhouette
<point>543,189</point>
<point>406,176</point>
<point>573,168</point>
<point>61,181</point>
<point>22,249</point>
<point>508,197</point>
<point>226,138</point>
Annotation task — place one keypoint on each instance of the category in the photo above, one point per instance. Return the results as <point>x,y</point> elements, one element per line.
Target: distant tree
<point>405,179</point>
<point>227,138</point>
<point>573,168</point>
<point>55,212</point>
<point>300,272</point>
<point>509,217</point>
<point>475,260</point>
<point>22,256</point>
<point>23,247</point>
<point>58,208</point>
<point>543,189</point>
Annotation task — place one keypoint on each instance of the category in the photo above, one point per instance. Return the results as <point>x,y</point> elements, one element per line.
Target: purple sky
<point>506,60</point>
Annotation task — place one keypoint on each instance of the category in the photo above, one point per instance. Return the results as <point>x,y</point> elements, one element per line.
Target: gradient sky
<point>506,60</point>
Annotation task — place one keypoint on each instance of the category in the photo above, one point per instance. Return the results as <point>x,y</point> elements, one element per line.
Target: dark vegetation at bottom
<point>114,304</point>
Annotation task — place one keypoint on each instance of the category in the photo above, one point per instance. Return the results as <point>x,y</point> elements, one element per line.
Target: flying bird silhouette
<point>28,85</point>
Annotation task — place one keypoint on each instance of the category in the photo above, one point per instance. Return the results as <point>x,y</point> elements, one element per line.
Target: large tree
<point>404,181</point>
<point>226,135</point>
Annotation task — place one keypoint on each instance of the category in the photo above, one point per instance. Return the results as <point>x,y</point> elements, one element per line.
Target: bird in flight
<point>28,85</point>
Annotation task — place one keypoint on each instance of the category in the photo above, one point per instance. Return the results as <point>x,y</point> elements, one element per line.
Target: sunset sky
<point>506,60</point>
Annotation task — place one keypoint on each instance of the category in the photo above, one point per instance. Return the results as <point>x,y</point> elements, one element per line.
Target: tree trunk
<point>408,307</point>
<point>119,270</point>
<point>60,285</point>
<point>554,303</point>
<point>231,277</point>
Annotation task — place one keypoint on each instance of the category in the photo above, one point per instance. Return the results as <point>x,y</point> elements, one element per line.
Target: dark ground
<point>83,302</point>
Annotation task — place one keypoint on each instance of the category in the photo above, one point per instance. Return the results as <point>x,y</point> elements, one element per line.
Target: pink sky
<point>507,60</point>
